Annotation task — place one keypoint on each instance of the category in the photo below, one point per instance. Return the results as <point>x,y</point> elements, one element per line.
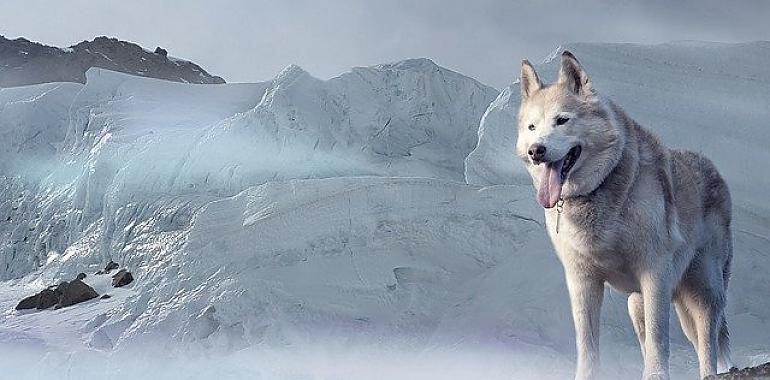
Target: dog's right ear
<point>574,76</point>
<point>530,82</point>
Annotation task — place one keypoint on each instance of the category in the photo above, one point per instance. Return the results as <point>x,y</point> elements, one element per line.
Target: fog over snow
<point>373,225</point>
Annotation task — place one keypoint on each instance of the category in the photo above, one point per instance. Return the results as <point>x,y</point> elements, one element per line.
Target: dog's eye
<point>561,120</point>
<point>531,127</point>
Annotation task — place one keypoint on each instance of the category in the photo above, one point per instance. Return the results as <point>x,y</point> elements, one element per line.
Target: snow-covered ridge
<point>75,154</point>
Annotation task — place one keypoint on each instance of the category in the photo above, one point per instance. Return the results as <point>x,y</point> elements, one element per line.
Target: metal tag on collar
<point>559,210</point>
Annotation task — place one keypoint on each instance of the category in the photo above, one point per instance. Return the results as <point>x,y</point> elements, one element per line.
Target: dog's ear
<point>573,76</point>
<point>530,82</point>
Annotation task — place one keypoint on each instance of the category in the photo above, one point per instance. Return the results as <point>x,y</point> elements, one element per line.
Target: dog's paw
<point>656,376</point>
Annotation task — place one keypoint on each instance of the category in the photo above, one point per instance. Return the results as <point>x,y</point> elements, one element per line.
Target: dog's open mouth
<point>569,161</point>
<point>553,177</point>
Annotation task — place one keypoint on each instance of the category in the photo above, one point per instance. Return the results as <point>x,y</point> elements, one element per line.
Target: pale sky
<point>247,41</point>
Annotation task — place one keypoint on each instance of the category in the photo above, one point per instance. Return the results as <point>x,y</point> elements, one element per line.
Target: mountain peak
<point>411,64</point>
<point>291,72</point>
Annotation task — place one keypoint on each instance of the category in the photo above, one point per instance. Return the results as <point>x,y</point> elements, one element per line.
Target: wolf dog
<point>624,210</point>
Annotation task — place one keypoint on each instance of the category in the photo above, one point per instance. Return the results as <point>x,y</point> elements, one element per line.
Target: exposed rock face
<point>75,291</point>
<point>47,298</point>
<point>23,62</point>
<point>110,266</point>
<point>62,295</point>
<point>122,278</point>
<point>760,372</point>
<point>30,302</point>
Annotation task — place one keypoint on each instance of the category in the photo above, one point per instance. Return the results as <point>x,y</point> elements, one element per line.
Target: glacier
<point>373,225</point>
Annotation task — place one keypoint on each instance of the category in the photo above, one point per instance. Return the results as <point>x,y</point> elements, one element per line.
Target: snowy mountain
<point>23,62</point>
<point>85,152</point>
<point>302,228</point>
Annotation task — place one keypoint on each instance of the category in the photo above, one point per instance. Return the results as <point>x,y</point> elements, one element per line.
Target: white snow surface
<point>302,228</point>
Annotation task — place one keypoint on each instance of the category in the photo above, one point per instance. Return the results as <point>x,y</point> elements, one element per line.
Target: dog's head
<point>566,136</point>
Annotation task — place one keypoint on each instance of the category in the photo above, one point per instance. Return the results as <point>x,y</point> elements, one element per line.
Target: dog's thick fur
<point>647,220</point>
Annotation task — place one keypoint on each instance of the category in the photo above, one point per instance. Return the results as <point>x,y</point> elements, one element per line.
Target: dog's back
<point>697,183</point>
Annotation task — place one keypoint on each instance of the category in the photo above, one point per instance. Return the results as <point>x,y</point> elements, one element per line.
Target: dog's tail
<point>724,361</point>
<point>728,261</point>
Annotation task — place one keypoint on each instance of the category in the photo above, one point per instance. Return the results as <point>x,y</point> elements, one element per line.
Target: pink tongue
<point>550,184</point>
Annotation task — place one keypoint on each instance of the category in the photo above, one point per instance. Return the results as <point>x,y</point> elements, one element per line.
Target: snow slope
<point>280,230</point>
<point>121,140</point>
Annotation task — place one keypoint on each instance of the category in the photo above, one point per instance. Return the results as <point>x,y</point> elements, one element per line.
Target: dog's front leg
<point>585,292</point>
<point>656,295</point>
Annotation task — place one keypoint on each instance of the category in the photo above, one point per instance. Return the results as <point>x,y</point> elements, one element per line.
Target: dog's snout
<point>537,152</point>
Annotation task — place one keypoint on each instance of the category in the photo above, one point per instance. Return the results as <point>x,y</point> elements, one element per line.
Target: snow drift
<point>285,221</point>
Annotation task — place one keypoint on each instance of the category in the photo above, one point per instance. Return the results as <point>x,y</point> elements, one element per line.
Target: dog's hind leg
<point>685,319</point>
<point>707,323</point>
<point>636,312</point>
<point>700,297</point>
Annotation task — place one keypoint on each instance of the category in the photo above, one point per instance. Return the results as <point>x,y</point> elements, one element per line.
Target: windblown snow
<point>374,225</point>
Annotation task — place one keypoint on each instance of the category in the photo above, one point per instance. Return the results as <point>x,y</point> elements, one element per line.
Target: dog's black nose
<point>537,152</point>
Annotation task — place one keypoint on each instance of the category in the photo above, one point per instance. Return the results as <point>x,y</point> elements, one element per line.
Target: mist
<point>250,41</point>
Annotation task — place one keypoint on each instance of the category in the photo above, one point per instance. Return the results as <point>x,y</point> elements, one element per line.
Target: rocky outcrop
<point>62,295</point>
<point>74,292</point>
<point>122,278</point>
<point>109,267</point>
<point>760,372</point>
<point>30,302</point>
<point>23,62</point>
<point>47,298</point>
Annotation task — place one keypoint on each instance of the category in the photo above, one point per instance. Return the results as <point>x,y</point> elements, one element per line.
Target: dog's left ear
<point>573,76</point>
<point>530,82</point>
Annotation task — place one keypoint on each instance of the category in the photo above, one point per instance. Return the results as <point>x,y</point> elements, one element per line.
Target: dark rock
<point>106,296</point>
<point>122,278</point>
<point>29,302</point>
<point>760,372</point>
<point>23,62</point>
<point>81,276</point>
<point>62,287</point>
<point>74,292</point>
<point>47,298</point>
<point>110,266</point>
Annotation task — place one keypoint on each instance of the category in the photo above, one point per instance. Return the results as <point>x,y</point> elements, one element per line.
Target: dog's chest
<point>587,244</point>
<point>578,233</point>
